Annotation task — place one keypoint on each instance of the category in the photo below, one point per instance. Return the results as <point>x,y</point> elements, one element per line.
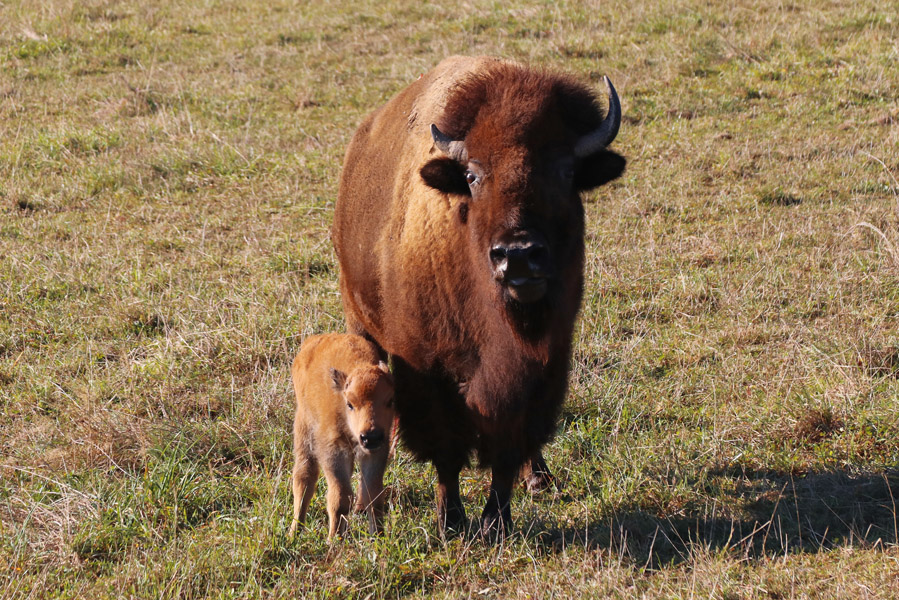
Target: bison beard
<point>459,230</point>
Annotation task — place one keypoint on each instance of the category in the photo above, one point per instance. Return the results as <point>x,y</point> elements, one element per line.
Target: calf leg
<point>370,497</point>
<point>305,475</point>
<point>338,471</point>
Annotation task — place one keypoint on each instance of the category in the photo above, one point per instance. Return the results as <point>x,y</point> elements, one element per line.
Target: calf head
<point>518,148</point>
<point>367,393</point>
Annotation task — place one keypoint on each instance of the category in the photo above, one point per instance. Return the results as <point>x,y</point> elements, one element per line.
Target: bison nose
<point>519,261</point>
<point>522,267</point>
<point>372,439</point>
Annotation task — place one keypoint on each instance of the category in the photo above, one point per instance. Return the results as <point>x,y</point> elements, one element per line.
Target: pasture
<point>168,174</point>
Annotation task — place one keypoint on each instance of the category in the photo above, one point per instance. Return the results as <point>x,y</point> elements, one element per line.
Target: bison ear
<point>598,168</point>
<point>445,175</point>
<point>338,379</point>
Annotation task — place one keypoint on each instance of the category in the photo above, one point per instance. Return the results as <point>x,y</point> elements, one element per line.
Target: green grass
<point>167,179</point>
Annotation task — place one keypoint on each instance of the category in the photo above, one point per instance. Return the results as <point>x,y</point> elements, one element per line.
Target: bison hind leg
<point>303,479</point>
<point>536,475</point>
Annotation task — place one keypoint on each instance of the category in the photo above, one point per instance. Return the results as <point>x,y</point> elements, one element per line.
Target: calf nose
<point>372,439</point>
<point>521,259</point>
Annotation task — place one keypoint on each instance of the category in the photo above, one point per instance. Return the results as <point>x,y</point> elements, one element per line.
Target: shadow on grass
<point>779,514</point>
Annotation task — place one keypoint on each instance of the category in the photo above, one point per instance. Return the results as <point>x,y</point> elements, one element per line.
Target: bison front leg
<point>450,511</point>
<point>371,496</point>
<point>496,520</point>
<point>338,471</point>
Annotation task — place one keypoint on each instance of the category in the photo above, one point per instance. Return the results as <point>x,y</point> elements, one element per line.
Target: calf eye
<point>349,406</point>
<point>470,178</point>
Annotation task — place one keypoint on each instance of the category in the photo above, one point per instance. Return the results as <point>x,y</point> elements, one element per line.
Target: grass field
<point>167,180</point>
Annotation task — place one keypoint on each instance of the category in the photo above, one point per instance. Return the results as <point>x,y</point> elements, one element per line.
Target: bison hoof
<point>540,481</point>
<point>496,521</point>
<point>453,522</point>
<point>495,528</point>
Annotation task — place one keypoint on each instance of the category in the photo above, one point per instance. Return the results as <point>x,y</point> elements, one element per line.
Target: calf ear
<point>597,169</point>
<point>386,370</point>
<point>338,379</point>
<point>446,175</point>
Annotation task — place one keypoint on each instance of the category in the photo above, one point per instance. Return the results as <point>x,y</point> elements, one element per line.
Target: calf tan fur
<point>344,411</point>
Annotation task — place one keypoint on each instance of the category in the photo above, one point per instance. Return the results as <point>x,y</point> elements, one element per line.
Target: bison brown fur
<point>460,234</point>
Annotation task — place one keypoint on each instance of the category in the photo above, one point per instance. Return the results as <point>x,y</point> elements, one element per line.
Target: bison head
<point>368,393</point>
<point>518,149</point>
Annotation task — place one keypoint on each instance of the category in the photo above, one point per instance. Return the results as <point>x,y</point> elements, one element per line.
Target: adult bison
<point>460,234</point>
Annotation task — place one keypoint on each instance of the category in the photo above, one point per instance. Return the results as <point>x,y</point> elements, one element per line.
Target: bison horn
<point>603,135</point>
<point>455,149</point>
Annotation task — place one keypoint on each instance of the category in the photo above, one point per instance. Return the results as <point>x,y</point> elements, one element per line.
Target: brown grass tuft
<point>817,424</point>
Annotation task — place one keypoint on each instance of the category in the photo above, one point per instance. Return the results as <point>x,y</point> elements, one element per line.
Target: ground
<point>167,180</point>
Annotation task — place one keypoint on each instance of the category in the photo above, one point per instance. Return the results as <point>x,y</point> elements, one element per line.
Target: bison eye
<point>349,406</point>
<point>471,178</point>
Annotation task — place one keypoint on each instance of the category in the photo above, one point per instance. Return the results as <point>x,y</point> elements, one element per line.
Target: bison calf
<point>344,411</point>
